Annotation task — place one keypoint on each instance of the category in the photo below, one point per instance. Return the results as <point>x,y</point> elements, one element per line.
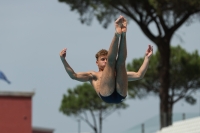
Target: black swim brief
<point>115,97</point>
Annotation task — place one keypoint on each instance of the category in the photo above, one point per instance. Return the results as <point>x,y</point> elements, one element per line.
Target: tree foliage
<point>83,100</point>
<point>184,73</point>
<point>141,11</point>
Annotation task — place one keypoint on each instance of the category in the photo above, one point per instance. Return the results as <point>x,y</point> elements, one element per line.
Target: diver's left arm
<point>132,76</point>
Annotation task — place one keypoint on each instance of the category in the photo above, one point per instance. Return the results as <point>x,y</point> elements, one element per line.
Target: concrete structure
<point>41,130</point>
<point>185,126</point>
<point>16,113</point>
<point>152,125</point>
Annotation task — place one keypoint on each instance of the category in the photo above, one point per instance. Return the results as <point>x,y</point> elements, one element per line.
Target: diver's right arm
<point>83,76</point>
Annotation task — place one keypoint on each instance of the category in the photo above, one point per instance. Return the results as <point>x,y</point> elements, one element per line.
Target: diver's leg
<point>121,74</point>
<point>107,83</point>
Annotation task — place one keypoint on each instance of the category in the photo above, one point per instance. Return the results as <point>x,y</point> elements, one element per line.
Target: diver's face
<point>101,62</point>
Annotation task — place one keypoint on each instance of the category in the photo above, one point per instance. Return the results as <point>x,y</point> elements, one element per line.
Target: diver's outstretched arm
<point>82,76</point>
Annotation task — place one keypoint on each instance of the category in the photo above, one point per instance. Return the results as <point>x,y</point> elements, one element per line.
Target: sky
<point>32,33</point>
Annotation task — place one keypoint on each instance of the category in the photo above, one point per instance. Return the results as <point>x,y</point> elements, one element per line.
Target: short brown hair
<point>102,52</point>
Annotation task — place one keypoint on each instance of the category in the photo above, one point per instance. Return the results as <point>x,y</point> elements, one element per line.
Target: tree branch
<point>138,12</point>
<point>93,117</point>
<point>85,115</point>
<point>148,33</point>
<point>189,93</point>
<point>86,120</point>
<point>100,121</point>
<point>127,12</point>
<point>144,28</point>
<point>165,28</point>
<point>154,19</point>
<point>176,26</point>
<point>110,112</point>
<point>181,95</point>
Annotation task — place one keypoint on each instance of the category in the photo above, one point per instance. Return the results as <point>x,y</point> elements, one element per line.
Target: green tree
<point>83,101</point>
<point>166,15</point>
<point>184,73</point>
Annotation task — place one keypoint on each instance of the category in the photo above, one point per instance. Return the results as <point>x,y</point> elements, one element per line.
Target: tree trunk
<point>164,67</point>
<point>170,108</point>
<point>100,122</point>
<point>95,130</point>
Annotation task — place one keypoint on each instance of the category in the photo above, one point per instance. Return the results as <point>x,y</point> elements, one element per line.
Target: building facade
<point>16,113</point>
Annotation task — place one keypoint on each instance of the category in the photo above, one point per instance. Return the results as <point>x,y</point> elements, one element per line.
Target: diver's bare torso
<point>96,80</point>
